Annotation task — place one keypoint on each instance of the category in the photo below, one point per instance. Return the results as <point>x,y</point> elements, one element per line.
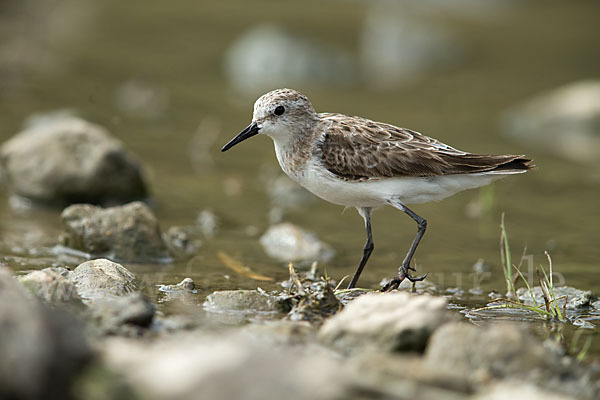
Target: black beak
<point>251,130</point>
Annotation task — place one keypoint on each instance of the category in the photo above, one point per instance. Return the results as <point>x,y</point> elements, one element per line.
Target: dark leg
<point>365,212</point>
<point>404,270</point>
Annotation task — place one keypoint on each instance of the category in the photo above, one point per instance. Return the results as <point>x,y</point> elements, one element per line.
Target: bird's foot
<point>403,273</point>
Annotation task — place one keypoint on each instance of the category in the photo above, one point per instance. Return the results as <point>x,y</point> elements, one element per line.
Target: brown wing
<point>357,149</point>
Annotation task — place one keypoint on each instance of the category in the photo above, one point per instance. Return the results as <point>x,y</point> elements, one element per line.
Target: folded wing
<point>359,149</point>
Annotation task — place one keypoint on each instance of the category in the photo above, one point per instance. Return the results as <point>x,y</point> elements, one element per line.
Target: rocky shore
<point>90,329</point>
<point>63,326</point>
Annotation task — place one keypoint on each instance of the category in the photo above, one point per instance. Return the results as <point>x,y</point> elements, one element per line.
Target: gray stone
<point>187,284</point>
<point>68,161</point>
<point>575,299</point>
<point>101,278</point>
<point>127,315</point>
<point>184,291</point>
<point>43,350</point>
<point>242,301</point>
<point>124,233</point>
<point>267,56</point>
<point>543,121</point>
<point>287,242</point>
<point>388,322</point>
<point>52,285</point>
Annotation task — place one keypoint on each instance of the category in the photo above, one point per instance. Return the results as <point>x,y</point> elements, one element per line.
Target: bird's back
<point>355,148</point>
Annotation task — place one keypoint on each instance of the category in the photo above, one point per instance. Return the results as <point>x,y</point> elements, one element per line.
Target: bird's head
<point>280,114</point>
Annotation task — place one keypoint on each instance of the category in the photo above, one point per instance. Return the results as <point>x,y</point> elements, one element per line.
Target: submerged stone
<point>125,233</point>
<point>242,301</point>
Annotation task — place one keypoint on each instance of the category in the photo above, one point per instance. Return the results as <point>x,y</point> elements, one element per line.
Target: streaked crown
<point>283,110</point>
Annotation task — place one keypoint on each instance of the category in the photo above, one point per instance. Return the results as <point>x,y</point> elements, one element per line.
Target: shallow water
<point>177,49</point>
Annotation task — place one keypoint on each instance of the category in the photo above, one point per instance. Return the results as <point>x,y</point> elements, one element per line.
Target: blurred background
<point>176,80</point>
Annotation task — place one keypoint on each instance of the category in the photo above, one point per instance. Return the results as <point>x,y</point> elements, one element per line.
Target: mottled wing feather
<point>359,149</point>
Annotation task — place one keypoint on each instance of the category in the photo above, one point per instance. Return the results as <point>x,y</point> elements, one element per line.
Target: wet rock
<point>396,49</point>
<point>187,284</point>
<point>125,233</point>
<point>52,285</point>
<point>544,119</point>
<point>287,242</point>
<point>225,366</point>
<point>576,299</point>
<point>184,290</point>
<point>128,315</point>
<point>102,278</point>
<point>243,301</point>
<point>43,350</point>
<point>182,241</point>
<point>388,322</point>
<point>68,161</point>
<point>267,56</point>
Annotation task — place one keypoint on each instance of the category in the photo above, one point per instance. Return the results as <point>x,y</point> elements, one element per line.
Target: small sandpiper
<point>356,162</point>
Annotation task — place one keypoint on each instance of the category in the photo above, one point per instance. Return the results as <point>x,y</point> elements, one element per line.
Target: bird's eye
<point>279,110</point>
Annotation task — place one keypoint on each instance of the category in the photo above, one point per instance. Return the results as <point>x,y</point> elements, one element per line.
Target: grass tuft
<point>550,309</point>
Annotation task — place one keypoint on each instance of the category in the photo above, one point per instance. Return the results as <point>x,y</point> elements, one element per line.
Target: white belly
<point>376,193</point>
